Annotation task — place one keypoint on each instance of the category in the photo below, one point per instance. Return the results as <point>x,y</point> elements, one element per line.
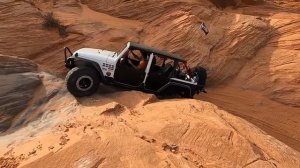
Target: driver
<point>142,63</point>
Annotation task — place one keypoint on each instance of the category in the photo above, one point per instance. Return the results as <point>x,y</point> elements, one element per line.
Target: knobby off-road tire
<point>82,81</point>
<point>202,76</point>
<point>187,94</point>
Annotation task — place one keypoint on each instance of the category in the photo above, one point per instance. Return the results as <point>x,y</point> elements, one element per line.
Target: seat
<point>166,70</point>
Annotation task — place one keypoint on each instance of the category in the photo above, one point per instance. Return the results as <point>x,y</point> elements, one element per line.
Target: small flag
<point>204,28</point>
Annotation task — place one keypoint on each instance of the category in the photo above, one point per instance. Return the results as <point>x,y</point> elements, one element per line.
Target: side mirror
<point>122,60</point>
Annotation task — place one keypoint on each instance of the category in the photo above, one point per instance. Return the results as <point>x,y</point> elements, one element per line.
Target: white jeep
<point>136,67</point>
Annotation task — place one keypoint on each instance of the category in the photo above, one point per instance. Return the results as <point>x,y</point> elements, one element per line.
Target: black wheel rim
<point>84,83</point>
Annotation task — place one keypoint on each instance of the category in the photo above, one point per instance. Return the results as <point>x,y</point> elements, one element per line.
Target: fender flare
<point>95,65</point>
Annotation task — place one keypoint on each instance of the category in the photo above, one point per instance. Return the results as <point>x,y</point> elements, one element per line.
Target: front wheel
<point>82,81</point>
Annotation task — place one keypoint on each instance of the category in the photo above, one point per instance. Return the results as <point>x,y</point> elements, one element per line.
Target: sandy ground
<point>112,130</point>
<point>276,119</point>
<point>249,118</point>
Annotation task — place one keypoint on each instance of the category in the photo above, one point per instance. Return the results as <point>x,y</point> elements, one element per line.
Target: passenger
<point>143,62</point>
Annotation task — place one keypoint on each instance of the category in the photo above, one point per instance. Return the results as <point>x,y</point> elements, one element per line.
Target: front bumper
<point>69,61</point>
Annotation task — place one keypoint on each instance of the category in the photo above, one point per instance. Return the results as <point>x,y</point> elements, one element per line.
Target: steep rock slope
<point>176,29</point>
<point>272,74</point>
<point>275,69</point>
<point>19,80</point>
<point>234,38</point>
<point>233,41</point>
<point>26,94</point>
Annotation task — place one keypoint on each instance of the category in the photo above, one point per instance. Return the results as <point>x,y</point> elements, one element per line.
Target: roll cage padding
<point>133,46</point>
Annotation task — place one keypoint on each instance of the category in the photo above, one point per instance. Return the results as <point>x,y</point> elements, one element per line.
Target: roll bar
<point>65,51</point>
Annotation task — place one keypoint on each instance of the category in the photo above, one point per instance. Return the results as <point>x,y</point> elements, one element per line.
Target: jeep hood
<point>95,54</point>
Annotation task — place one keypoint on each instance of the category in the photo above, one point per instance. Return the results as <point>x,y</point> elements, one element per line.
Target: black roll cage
<point>67,49</point>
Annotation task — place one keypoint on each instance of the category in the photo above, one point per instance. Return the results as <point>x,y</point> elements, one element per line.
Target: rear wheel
<point>186,94</point>
<point>82,81</point>
<point>202,76</point>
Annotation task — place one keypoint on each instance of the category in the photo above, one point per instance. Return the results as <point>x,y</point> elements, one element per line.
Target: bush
<point>253,2</point>
<point>51,22</point>
<point>223,3</point>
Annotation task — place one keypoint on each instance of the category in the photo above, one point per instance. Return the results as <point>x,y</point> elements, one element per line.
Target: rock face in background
<point>23,20</point>
<point>274,70</point>
<point>233,39</point>
<point>19,79</point>
<point>262,53</point>
<point>13,65</point>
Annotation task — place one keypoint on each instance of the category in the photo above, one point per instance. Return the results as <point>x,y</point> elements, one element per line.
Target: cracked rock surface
<point>19,80</point>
